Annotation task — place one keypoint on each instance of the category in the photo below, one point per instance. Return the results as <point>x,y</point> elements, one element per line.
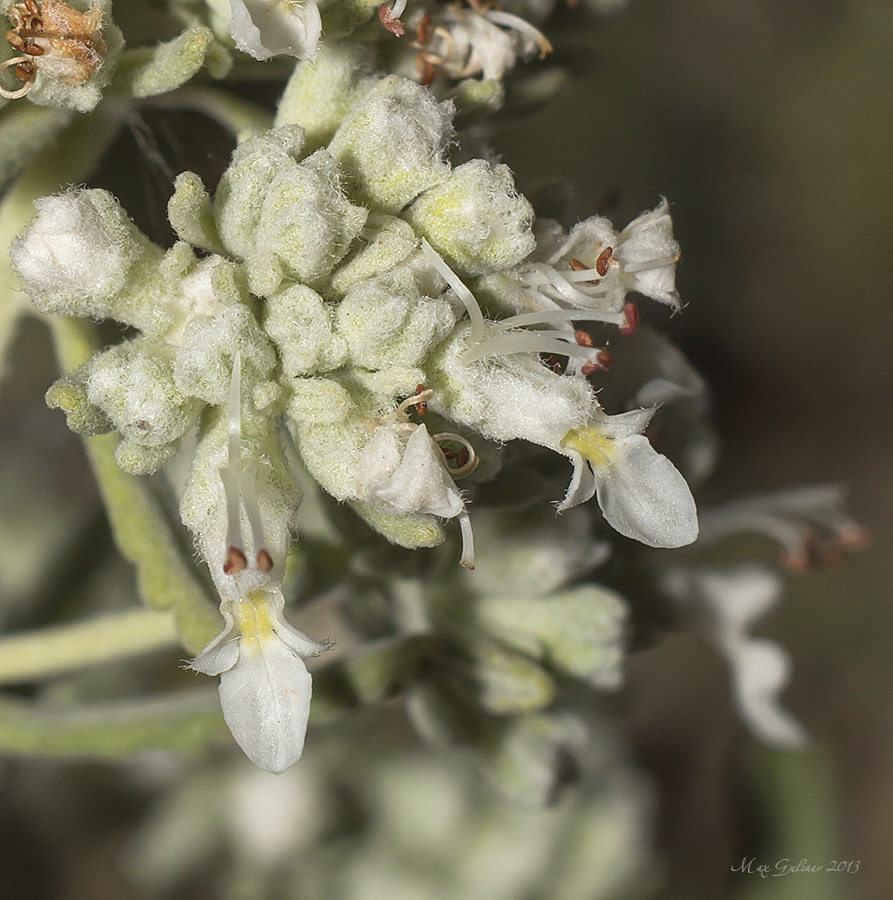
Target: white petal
<point>582,485</point>
<point>625,424</point>
<point>266,28</point>
<point>647,247</point>
<point>740,597</point>
<point>265,699</point>
<point>643,496</point>
<point>421,484</point>
<point>760,671</point>
<point>222,653</point>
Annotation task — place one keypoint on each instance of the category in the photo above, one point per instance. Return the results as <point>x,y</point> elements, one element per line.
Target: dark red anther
<point>630,319</point>
<point>24,71</point>
<point>395,26</point>
<point>583,338</point>
<point>554,363</point>
<point>602,360</point>
<point>578,266</point>
<point>264,561</point>
<point>603,261</point>
<point>804,558</point>
<point>235,561</point>
<point>423,406</point>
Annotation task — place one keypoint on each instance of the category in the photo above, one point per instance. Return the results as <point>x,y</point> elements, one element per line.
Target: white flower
<point>465,43</point>
<point>403,470</point>
<point>760,668</point>
<point>640,492</point>
<point>594,267</point>
<point>403,474</point>
<point>264,684</point>
<point>265,28</point>
<point>810,523</point>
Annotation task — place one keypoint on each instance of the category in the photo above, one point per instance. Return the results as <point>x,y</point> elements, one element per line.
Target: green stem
<point>243,119</point>
<point>44,652</point>
<point>185,722</point>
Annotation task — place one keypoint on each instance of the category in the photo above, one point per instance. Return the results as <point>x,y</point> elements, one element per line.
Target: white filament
<point>475,316</point>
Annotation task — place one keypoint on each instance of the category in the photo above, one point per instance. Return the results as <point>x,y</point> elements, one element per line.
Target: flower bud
<point>476,219</point>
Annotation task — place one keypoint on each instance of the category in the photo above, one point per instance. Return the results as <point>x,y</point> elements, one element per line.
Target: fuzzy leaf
<point>147,71</point>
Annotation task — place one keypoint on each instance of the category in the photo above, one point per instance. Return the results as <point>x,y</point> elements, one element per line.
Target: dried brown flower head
<point>56,39</point>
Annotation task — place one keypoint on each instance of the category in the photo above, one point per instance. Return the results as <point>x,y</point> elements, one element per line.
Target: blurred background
<point>768,124</point>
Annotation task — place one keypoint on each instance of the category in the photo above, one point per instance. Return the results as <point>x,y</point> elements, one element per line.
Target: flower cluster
<point>330,299</point>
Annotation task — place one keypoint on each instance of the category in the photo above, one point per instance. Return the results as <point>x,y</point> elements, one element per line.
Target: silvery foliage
<point>352,328</point>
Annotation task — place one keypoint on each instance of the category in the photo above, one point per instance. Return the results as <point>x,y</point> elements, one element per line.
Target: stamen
<point>603,261</point>
<point>499,17</point>
<point>475,316</point>
<point>550,316</point>
<point>467,558</point>
<point>235,561</point>
<point>264,561</point>
<point>419,400</point>
<point>466,458</point>
<point>630,319</point>
<point>390,19</point>
<point>541,276</point>
<point>248,481</point>
<point>20,62</point>
<point>421,408</point>
<point>234,420</point>
<point>526,342</point>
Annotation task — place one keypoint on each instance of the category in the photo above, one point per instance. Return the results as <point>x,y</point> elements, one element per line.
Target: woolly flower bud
<point>133,384</point>
<point>386,321</point>
<point>205,358</point>
<point>78,254</point>
<point>392,144</point>
<point>285,217</point>
<point>300,324</point>
<point>243,186</point>
<point>476,218</point>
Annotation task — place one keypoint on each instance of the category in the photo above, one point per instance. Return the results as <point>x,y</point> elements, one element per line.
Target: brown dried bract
<point>54,38</point>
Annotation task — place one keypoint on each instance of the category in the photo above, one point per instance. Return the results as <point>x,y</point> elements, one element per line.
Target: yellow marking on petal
<point>591,443</point>
<point>255,621</point>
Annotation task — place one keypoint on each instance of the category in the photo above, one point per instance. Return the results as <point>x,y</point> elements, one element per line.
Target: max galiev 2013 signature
<point>786,867</point>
